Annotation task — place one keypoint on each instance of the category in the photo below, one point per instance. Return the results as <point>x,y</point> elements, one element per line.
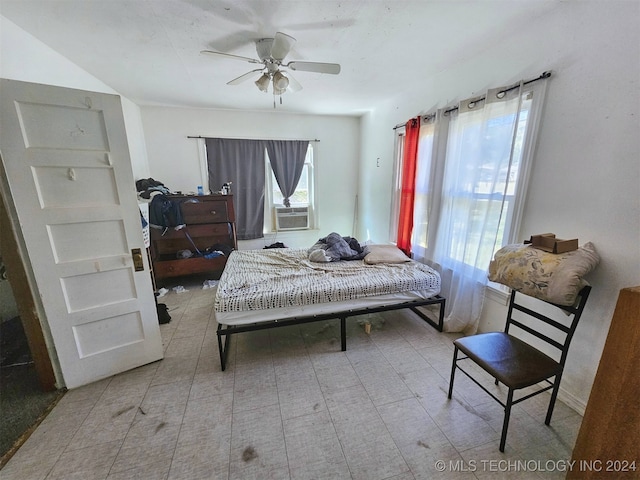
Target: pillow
<point>385,254</point>
<point>554,278</point>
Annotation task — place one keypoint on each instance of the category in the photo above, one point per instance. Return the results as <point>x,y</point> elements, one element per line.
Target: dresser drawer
<point>188,266</point>
<point>205,211</point>
<point>202,230</point>
<point>203,236</point>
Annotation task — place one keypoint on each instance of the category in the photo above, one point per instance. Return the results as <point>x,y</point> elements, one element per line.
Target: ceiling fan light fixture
<point>280,82</point>
<point>263,82</point>
<point>278,91</point>
<point>272,53</point>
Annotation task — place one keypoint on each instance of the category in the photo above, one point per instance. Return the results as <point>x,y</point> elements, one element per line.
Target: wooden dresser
<point>210,220</point>
<point>608,441</point>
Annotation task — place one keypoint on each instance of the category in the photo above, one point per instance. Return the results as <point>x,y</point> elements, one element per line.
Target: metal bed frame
<point>227,330</point>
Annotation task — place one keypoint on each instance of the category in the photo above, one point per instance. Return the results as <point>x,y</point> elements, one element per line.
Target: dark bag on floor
<point>163,313</point>
<point>276,245</point>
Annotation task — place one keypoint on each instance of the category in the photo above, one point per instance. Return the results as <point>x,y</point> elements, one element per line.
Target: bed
<point>270,288</point>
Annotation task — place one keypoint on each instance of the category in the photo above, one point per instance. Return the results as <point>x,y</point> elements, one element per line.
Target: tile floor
<point>291,405</point>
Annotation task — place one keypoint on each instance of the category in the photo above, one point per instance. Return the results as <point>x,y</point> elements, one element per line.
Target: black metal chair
<point>515,363</point>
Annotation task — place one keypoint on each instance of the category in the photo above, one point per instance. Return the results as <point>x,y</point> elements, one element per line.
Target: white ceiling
<point>149,50</point>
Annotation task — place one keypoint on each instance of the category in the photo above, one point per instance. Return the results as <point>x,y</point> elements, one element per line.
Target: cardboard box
<point>549,243</point>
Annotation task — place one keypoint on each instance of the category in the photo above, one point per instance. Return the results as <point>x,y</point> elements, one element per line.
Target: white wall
<point>175,159</point>
<point>586,176</point>
<point>27,59</point>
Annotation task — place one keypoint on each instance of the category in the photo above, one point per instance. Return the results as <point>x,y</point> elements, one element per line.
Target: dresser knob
<point>213,212</point>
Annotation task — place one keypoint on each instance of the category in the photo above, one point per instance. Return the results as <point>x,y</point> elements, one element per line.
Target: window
<point>477,175</point>
<point>397,185</point>
<point>480,148</point>
<point>246,164</point>
<point>304,192</point>
<point>424,185</point>
<point>302,197</point>
<point>471,173</point>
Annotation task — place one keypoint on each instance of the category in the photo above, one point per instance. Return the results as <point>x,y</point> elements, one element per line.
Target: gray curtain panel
<point>242,163</point>
<point>287,159</point>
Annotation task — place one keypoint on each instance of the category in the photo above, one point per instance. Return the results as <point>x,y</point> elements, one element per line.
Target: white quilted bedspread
<point>277,278</point>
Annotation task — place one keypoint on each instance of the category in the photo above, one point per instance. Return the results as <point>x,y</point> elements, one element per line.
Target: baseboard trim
<point>572,401</point>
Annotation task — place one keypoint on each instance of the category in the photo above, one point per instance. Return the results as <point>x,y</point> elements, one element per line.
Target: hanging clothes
<point>165,213</point>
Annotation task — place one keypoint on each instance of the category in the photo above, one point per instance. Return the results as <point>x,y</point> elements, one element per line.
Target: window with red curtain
<point>408,185</point>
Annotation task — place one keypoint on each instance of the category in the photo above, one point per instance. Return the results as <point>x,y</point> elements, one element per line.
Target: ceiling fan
<point>271,54</point>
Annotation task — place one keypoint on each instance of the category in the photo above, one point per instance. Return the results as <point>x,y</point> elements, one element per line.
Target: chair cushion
<point>512,361</point>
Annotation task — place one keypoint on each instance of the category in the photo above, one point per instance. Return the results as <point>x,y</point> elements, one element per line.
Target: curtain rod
<point>295,140</point>
<point>542,76</point>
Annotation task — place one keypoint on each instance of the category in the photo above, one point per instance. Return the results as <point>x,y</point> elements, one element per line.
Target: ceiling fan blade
<point>294,85</point>
<point>282,44</point>
<point>317,67</point>
<point>244,77</point>
<point>228,55</point>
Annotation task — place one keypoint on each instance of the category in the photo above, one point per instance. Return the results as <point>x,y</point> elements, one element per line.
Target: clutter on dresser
<point>147,187</point>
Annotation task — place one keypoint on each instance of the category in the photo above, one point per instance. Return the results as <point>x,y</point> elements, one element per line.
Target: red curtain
<point>408,186</point>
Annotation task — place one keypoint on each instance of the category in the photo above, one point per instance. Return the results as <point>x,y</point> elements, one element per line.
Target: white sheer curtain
<point>471,170</point>
<point>429,172</point>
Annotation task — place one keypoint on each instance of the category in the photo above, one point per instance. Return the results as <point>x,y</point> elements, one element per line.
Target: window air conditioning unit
<point>292,218</point>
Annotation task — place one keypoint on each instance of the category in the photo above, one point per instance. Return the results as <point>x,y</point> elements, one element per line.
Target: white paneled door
<point>68,171</point>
